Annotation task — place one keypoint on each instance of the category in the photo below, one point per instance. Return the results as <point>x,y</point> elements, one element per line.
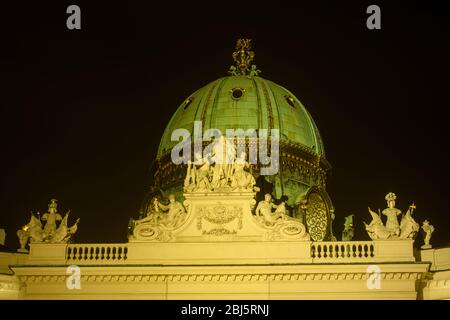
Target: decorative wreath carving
<point>219,215</point>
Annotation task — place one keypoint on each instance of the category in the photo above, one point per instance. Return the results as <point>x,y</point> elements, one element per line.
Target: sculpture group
<point>170,215</point>
<point>159,220</point>
<point>406,229</point>
<point>34,232</point>
<point>219,171</point>
<point>277,221</point>
<point>265,214</point>
<point>223,174</point>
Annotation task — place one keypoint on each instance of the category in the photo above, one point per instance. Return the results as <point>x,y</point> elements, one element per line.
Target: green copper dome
<point>243,102</point>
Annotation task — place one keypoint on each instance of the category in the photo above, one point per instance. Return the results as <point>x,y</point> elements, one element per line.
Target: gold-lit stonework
<point>209,230</point>
<point>243,56</point>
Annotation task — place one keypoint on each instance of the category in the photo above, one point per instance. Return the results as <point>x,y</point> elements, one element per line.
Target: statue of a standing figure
<point>51,217</point>
<point>51,233</point>
<point>197,177</point>
<point>223,155</point>
<point>428,229</point>
<point>407,229</point>
<point>348,232</point>
<point>391,212</point>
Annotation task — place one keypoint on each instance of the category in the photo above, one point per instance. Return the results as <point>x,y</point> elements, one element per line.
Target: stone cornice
<point>228,277</point>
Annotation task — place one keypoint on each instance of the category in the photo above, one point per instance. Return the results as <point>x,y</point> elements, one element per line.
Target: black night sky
<point>82,111</point>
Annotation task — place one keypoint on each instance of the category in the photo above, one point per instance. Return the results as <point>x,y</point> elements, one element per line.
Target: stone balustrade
<point>96,253</point>
<point>343,251</point>
<point>222,253</point>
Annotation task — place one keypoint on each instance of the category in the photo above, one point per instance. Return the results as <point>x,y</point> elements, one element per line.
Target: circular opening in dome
<point>290,101</point>
<point>187,103</point>
<point>237,93</point>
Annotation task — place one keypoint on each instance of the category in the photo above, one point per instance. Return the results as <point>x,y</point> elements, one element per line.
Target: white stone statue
<point>264,211</point>
<point>241,180</point>
<point>175,212</point>
<point>51,217</point>
<point>391,213</point>
<point>219,171</point>
<point>407,229</point>
<point>281,209</point>
<point>51,233</point>
<point>348,232</point>
<point>376,229</point>
<point>153,215</point>
<point>428,229</point>
<point>160,221</point>
<point>408,226</point>
<point>278,223</point>
<point>197,177</point>
<point>191,175</point>
<point>223,155</point>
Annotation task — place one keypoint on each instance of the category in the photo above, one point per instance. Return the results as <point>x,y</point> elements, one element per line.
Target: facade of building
<point>245,215</point>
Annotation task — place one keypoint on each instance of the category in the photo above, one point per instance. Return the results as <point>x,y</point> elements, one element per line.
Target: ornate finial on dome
<point>243,57</point>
